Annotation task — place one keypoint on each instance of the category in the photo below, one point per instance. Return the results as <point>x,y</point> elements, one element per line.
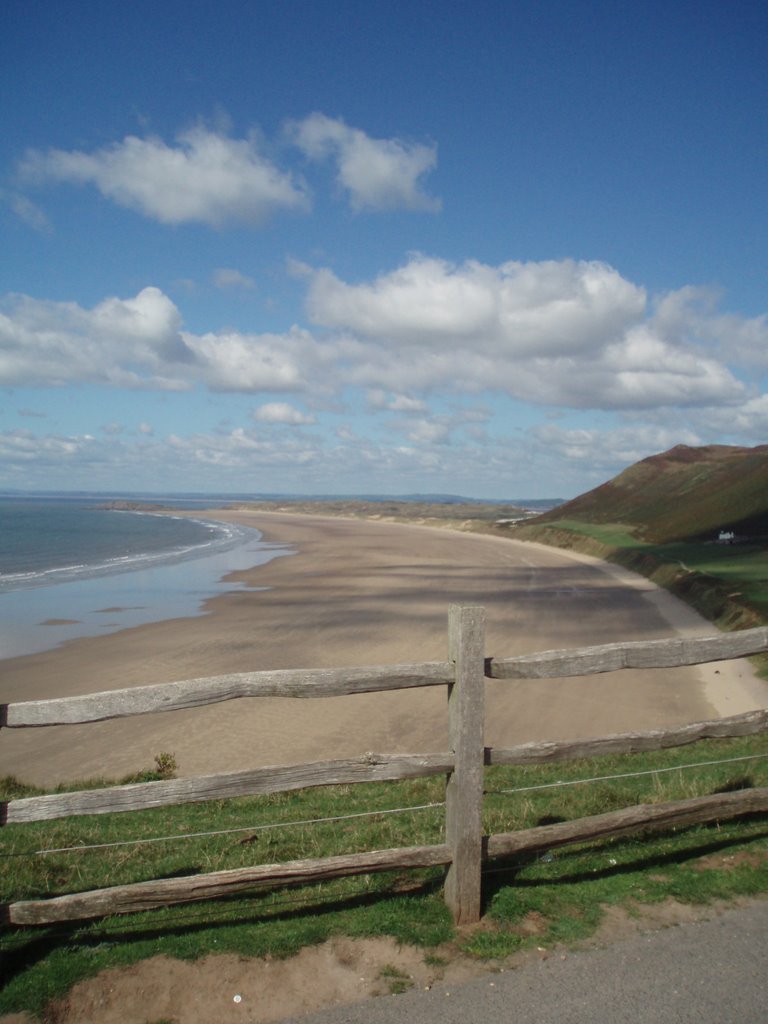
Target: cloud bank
<point>565,333</point>
<point>399,377</point>
<point>562,334</point>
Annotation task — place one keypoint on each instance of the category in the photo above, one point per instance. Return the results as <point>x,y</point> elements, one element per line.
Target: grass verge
<point>555,898</point>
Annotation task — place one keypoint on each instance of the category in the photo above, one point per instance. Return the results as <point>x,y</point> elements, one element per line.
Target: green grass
<point>733,575</point>
<point>563,892</point>
<point>743,567</point>
<point>397,981</point>
<point>611,534</point>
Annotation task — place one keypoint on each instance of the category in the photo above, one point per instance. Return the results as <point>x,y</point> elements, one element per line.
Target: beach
<point>362,592</point>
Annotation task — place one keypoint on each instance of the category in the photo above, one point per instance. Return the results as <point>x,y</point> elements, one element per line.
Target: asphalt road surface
<point>711,972</point>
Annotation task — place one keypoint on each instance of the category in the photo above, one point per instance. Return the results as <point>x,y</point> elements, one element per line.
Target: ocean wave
<point>218,537</point>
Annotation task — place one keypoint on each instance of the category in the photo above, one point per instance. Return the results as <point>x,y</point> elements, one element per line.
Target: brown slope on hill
<point>681,494</point>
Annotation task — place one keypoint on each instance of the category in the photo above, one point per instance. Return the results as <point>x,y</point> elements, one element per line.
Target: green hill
<point>662,518</point>
<point>682,494</point>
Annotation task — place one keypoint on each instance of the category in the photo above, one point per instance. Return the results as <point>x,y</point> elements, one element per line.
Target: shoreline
<point>91,598</point>
<point>359,592</point>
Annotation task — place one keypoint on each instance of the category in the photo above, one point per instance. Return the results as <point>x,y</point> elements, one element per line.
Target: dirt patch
<point>533,923</point>
<point>229,988</point>
<point>729,861</point>
<point>620,923</point>
<point>340,972</point>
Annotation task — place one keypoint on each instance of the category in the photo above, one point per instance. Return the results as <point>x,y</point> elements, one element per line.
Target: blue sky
<point>493,249</point>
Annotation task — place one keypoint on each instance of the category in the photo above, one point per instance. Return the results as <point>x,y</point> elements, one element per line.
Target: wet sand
<point>366,593</point>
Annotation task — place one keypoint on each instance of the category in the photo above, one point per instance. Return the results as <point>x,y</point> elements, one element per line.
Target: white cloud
<point>123,342</point>
<point>692,312</point>
<point>566,334</point>
<point>30,213</point>
<point>378,174</point>
<point>139,343</point>
<point>648,370</point>
<point>378,399</point>
<point>546,460</point>
<point>425,431</point>
<point>282,413</point>
<point>226,277</point>
<point>257,362</point>
<point>22,448</point>
<point>242,450</point>
<point>747,422</point>
<point>609,450</point>
<point>746,340</point>
<point>421,426</point>
<point>205,177</point>
<point>562,333</point>
<point>525,309</point>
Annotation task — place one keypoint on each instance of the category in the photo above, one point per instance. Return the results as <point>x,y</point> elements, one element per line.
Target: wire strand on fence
<point>369,814</point>
<point>624,775</point>
<point>224,831</point>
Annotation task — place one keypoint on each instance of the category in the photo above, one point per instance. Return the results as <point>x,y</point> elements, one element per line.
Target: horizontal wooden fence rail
<point>466,848</point>
<point>673,813</point>
<point>587,661</point>
<point>195,693</point>
<point>550,751</point>
<point>256,781</point>
<point>164,892</point>
<point>314,683</point>
<point>129,899</point>
<point>367,768</point>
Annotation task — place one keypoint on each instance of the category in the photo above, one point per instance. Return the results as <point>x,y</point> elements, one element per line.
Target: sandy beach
<point>358,592</point>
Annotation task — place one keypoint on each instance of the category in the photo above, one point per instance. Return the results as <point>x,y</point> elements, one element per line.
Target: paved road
<point>712,972</point>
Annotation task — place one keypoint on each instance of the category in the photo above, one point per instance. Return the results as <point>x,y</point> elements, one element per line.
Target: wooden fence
<point>465,848</point>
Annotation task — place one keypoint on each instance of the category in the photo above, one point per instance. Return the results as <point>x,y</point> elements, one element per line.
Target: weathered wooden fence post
<point>464,789</point>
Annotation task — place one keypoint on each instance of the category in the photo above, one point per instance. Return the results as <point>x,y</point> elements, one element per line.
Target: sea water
<point>71,567</point>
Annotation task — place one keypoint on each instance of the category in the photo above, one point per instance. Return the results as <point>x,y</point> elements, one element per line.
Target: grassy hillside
<point>683,494</point>
<point>661,518</point>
